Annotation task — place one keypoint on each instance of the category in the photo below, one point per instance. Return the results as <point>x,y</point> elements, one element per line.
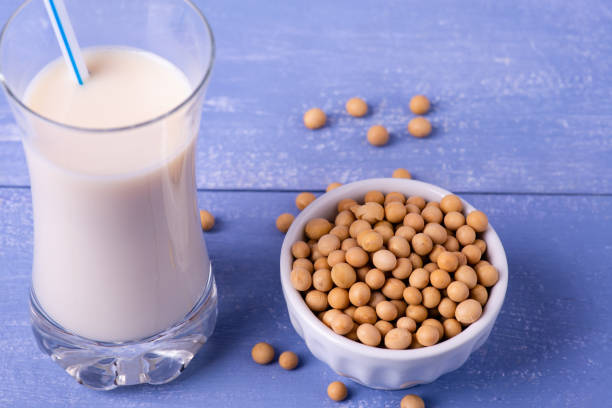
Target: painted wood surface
<point>551,346</point>
<point>521,90</point>
<point>522,93</point>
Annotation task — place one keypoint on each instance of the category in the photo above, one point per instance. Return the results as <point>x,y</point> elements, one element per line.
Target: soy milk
<point>119,253</point>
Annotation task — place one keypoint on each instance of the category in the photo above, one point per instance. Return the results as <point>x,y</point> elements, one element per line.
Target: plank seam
<point>262,190</point>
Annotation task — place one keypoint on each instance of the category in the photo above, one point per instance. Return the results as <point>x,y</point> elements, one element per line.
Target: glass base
<point>155,360</point>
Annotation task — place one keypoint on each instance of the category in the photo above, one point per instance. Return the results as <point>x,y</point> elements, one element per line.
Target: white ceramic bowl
<point>377,367</point>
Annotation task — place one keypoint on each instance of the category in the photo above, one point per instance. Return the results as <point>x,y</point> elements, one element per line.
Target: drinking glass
<point>122,288</point>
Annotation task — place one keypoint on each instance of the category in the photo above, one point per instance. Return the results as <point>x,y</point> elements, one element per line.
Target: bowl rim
<point>295,301</point>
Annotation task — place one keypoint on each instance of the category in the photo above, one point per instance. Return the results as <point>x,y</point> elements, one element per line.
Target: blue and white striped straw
<point>66,39</point>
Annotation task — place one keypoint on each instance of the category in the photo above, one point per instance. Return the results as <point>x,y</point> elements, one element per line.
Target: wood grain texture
<point>521,93</point>
<point>551,346</point>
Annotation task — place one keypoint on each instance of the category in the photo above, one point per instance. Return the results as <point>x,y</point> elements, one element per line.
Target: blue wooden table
<point>522,95</point>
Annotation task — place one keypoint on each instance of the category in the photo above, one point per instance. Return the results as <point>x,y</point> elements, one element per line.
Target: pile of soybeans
<point>395,271</point>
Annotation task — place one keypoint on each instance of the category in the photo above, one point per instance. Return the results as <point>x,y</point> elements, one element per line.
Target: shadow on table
<point>229,330</point>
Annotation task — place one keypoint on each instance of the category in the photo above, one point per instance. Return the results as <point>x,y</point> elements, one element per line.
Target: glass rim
<point>155,119</point>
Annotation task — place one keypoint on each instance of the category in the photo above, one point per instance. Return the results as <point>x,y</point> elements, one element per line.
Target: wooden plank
<point>551,346</point>
<point>521,94</point>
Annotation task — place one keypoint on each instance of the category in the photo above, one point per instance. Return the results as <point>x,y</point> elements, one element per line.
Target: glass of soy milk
<point>122,287</point>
